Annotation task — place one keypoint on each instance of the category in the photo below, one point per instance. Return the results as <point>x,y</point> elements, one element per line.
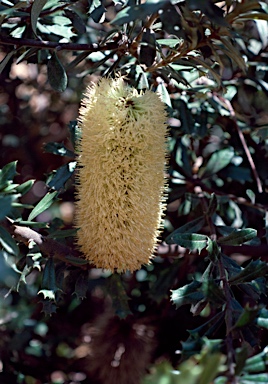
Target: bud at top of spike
<point>121,182</point>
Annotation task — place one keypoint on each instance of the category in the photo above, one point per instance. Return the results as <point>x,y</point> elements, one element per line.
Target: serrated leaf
<point>251,272</point>
<point>188,294</point>
<point>36,9</point>
<point>193,226</point>
<point>49,307</point>
<point>191,241</point>
<point>238,237</point>
<point>43,204</point>
<point>8,243</point>
<point>218,160</point>
<point>163,93</point>
<point>56,74</point>
<point>58,149</point>
<point>48,286</point>
<point>61,176</point>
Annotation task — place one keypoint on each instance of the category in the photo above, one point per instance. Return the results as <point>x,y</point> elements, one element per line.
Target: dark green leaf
<point>36,9</point>
<point>213,249</point>
<point>251,272</point>
<point>49,307</point>
<point>48,286</point>
<point>76,20</point>
<point>43,204</point>
<point>189,294</point>
<point>238,237</point>
<point>217,161</point>
<point>58,149</point>
<point>7,174</point>
<point>213,203</point>
<point>193,226</point>
<point>82,285</point>
<point>56,74</point>
<point>98,13</point>
<point>5,206</point>
<point>192,241</point>
<point>61,175</point>
<point>137,12</point>
<point>8,243</point>
<point>213,292</point>
<point>148,48</point>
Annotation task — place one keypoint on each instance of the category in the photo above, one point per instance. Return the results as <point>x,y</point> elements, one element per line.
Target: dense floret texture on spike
<point>121,175</point>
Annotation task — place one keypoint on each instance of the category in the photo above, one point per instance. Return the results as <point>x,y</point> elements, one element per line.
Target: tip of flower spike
<point>121,194</point>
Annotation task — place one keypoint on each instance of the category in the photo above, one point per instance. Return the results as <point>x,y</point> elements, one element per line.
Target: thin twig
<point>244,145</point>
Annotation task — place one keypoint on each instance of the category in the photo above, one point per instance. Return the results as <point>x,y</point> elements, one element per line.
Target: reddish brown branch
<point>42,44</point>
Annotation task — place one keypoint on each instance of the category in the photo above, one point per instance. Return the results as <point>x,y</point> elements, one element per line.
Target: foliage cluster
<point>204,297</point>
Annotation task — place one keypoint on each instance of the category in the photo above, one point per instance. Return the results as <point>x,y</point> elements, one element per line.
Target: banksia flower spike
<point>121,183</point>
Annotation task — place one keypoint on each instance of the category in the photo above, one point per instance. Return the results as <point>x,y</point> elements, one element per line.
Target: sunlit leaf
<point>188,294</point>
<point>43,204</point>
<point>217,161</point>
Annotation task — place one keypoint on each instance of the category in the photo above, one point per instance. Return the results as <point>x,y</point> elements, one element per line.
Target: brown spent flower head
<point>121,180</point>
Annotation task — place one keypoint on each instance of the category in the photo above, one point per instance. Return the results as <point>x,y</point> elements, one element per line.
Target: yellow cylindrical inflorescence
<point>121,189</point>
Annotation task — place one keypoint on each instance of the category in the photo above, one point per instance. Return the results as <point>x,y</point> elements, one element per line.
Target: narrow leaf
<point>36,9</point>
<point>5,60</point>
<point>238,237</point>
<point>251,272</point>
<point>44,204</point>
